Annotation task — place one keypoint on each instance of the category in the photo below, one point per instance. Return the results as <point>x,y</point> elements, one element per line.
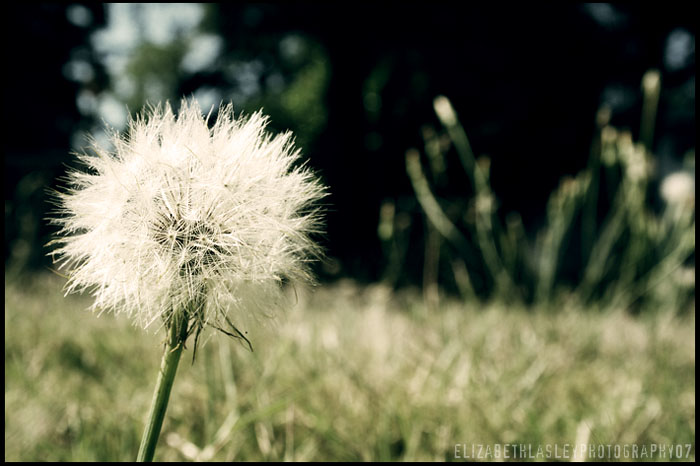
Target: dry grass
<point>349,373</point>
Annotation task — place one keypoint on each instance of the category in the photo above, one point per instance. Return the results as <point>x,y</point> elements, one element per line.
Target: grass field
<point>349,373</point>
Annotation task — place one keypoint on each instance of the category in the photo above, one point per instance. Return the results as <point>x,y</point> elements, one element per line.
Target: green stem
<point>166,376</point>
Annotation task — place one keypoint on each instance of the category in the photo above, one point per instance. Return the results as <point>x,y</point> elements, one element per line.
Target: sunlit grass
<point>350,373</point>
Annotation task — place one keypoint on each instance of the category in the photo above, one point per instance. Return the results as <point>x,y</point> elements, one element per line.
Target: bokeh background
<point>356,86</point>
<point>552,301</point>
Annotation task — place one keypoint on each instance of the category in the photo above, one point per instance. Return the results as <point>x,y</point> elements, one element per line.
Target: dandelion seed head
<point>180,213</point>
<point>678,189</point>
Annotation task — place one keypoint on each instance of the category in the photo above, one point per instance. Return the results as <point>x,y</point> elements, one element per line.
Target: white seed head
<point>180,213</point>
<point>678,188</point>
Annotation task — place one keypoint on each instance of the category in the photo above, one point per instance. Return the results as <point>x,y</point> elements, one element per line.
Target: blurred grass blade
<point>430,205</point>
<point>651,87</point>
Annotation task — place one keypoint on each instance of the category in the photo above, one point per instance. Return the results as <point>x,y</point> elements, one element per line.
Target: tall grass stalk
<point>625,248</point>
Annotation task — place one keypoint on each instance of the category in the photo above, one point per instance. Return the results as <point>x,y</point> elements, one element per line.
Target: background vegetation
<point>357,89</point>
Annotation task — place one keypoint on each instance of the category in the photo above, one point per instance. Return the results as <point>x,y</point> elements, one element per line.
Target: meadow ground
<point>351,373</point>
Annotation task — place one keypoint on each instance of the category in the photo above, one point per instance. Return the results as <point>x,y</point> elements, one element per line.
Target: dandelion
<point>182,227</point>
<point>678,189</point>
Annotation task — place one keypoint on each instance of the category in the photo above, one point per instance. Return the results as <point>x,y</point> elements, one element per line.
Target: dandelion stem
<point>166,376</point>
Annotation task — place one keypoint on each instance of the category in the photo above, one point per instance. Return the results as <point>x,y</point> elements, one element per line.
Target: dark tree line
<point>526,80</point>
